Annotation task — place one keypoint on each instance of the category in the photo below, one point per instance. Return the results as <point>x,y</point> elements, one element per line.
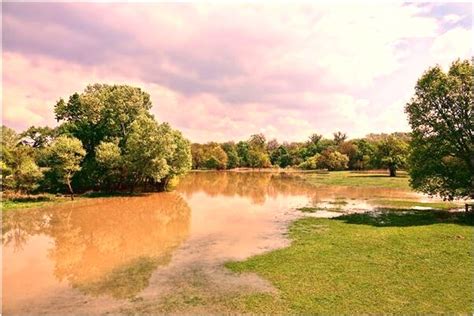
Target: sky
<point>221,72</point>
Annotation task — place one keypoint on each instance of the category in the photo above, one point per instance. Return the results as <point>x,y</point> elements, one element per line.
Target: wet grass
<point>123,282</point>
<point>373,263</point>
<point>41,200</point>
<point>359,179</point>
<point>314,209</point>
<point>407,204</point>
<point>21,202</point>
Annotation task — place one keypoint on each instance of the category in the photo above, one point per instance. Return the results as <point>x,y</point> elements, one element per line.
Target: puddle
<point>103,255</point>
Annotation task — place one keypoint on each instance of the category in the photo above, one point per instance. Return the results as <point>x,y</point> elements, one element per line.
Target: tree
<point>332,160</point>
<point>215,157</point>
<point>65,156</point>
<point>148,146</point>
<point>180,160</point>
<point>311,163</point>
<point>392,153</point>
<point>109,157</point>
<point>258,159</point>
<point>339,137</point>
<point>243,152</point>
<point>232,155</point>
<point>441,115</point>
<point>27,175</point>
<point>364,153</point>
<point>257,154</point>
<point>100,113</point>
<point>280,157</point>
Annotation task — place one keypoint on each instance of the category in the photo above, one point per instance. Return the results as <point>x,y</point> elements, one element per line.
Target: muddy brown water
<point>98,256</point>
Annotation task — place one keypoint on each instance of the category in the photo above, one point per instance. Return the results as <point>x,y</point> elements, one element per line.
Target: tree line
<point>107,140</point>
<point>375,151</point>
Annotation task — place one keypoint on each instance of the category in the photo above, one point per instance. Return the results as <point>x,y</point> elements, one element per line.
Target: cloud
<point>222,72</point>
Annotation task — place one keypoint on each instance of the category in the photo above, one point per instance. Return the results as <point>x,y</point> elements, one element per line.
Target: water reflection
<point>104,246</point>
<point>261,186</point>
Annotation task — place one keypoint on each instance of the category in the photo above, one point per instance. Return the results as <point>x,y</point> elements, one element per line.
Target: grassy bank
<point>42,200</point>
<point>396,262</point>
<point>360,179</point>
<point>20,202</point>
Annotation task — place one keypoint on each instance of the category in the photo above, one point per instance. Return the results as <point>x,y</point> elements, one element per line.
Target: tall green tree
<point>441,115</point>
<point>64,156</point>
<point>392,153</point>
<point>232,155</point>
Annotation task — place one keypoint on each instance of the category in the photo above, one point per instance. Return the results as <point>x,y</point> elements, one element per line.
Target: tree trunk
<point>393,171</point>
<point>70,190</point>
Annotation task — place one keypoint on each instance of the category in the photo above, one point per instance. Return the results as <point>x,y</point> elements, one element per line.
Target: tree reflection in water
<point>258,186</point>
<point>105,246</point>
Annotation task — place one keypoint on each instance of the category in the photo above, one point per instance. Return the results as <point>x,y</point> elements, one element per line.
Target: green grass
<point>31,201</point>
<point>314,209</point>
<point>407,204</point>
<point>41,200</point>
<point>391,262</point>
<point>356,179</point>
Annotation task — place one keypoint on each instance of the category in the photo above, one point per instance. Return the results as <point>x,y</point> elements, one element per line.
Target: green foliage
<point>280,157</point>
<point>64,158</point>
<point>257,156</point>
<point>333,160</point>
<point>26,176</point>
<point>392,153</point>
<point>243,152</point>
<point>209,156</point>
<point>232,156</point>
<point>311,163</point>
<point>441,114</point>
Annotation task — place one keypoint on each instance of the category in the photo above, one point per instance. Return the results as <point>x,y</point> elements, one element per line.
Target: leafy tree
<point>26,175</point>
<point>311,163</point>
<point>363,156</point>
<point>441,115</point>
<point>9,141</point>
<point>180,160</point>
<point>232,155</point>
<point>146,150</point>
<point>333,160</point>
<point>109,157</point>
<point>257,154</point>
<point>258,142</point>
<point>216,158</point>
<point>349,149</point>
<point>101,113</point>
<point>65,156</point>
<point>280,157</point>
<point>258,159</point>
<point>392,153</point>
<point>243,152</point>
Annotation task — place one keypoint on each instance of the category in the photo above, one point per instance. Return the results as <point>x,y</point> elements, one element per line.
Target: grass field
<point>395,262</point>
<point>360,179</point>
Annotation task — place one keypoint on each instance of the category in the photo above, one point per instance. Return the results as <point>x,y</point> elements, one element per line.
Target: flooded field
<point>111,255</point>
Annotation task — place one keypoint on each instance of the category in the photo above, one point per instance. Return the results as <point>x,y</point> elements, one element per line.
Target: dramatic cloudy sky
<point>220,72</point>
